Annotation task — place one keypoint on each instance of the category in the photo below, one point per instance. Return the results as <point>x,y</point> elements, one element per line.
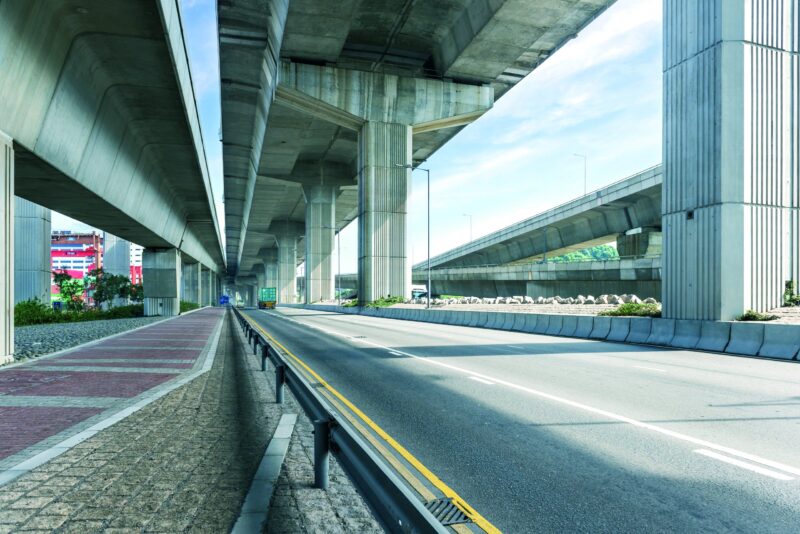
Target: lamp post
<point>585,168</point>
<point>428,173</point>
<point>470,224</point>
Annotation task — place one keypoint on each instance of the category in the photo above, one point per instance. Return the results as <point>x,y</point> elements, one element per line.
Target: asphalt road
<point>548,434</point>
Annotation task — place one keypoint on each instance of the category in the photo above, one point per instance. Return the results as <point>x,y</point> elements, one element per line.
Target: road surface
<point>541,433</point>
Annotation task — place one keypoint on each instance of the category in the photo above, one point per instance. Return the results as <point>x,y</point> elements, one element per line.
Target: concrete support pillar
<point>270,257</point>
<point>6,249</point>
<point>193,291</point>
<point>116,255</point>
<point>161,274</point>
<point>205,286</point>
<point>383,190</point>
<point>731,191</point>
<point>320,221</point>
<point>640,243</point>
<point>31,251</point>
<point>287,233</point>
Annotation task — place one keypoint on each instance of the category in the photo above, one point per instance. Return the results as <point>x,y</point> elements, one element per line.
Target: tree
<point>70,289</point>
<point>108,287</point>
<point>137,293</point>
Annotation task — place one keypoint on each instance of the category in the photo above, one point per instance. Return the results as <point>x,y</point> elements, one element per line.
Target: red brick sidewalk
<point>51,399</point>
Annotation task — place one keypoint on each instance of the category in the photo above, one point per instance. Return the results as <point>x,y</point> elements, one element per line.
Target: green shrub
<point>35,312</point>
<point>632,309</point>
<point>752,315</point>
<point>32,312</point>
<point>350,304</point>
<point>188,306</point>
<point>385,302</point>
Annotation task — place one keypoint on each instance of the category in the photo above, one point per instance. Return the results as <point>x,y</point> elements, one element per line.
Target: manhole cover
<point>446,512</point>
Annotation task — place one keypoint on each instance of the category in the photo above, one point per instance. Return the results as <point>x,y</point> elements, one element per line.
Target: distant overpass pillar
<point>6,249</point>
<point>287,233</point>
<point>205,285</point>
<point>116,255</point>
<point>161,277</point>
<point>193,283</point>
<point>270,258</point>
<point>384,186</point>
<point>31,251</point>
<point>320,221</point>
<point>730,199</point>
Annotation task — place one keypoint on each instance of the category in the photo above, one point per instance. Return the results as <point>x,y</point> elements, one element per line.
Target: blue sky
<point>600,95</point>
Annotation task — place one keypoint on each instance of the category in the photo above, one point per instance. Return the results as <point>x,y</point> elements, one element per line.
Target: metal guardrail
<point>396,507</point>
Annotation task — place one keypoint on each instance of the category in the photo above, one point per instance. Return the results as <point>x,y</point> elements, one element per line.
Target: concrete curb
<point>687,334</point>
<point>620,328</point>
<point>746,338</point>
<point>778,341</point>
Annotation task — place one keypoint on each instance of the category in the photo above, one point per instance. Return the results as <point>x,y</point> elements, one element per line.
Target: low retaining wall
<point>767,340</point>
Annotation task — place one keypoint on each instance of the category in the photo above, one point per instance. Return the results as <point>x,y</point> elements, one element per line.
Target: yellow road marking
<point>470,512</point>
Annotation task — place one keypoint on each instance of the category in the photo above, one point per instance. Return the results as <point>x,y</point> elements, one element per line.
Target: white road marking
<point>585,407</point>
<point>650,368</point>
<point>516,347</point>
<point>744,465</point>
<point>395,353</point>
<point>481,380</point>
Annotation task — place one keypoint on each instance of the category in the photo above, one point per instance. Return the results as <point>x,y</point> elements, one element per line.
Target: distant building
<point>136,264</point>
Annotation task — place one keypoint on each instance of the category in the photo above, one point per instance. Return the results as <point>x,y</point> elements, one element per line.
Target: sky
<point>599,96</point>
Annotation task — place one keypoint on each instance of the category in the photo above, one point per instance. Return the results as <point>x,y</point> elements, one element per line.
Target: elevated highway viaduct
<point>326,105</point>
<point>98,121</point>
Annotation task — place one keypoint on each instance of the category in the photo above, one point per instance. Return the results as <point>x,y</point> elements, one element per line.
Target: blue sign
<point>224,300</point>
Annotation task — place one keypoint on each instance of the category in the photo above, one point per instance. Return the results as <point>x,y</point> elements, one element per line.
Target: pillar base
<point>160,306</point>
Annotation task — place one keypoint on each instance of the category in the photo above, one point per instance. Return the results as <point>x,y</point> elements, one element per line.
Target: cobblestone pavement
<point>39,339</point>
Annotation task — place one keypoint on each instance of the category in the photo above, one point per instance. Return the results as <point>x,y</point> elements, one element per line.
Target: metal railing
<point>395,506</point>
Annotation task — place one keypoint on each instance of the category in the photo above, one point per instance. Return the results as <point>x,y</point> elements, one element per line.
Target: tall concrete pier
<point>6,249</point>
<point>161,270</point>
<point>731,187</point>
<point>31,251</point>
<point>320,220</point>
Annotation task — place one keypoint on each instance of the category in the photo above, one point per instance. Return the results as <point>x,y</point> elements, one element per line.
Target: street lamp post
<point>470,224</point>
<point>585,173</point>
<point>428,173</point>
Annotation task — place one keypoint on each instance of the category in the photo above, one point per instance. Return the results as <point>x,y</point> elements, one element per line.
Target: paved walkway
<point>53,398</point>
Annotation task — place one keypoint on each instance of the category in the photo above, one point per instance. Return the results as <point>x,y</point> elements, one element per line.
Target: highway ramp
<point>541,433</point>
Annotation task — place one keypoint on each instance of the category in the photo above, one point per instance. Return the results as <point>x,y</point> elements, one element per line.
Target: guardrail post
<point>280,380</point>
<point>255,344</point>
<point>264,356</point>
<point>322,448</point>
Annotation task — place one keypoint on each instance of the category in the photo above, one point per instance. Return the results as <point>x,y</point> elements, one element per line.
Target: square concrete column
<point>287,267</point>
<point>730,198</point>
<point>270,257</point>
<point>383,190</point>
<point>32,262</point>
<point>320,221</point>
<point>205,286</point>
<point>161,276</point>
<point>192,283</point>
<point>6,249</point>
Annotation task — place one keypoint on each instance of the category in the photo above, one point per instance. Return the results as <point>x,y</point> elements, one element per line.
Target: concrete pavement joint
<point>256,504</point>
<point>26,466</point>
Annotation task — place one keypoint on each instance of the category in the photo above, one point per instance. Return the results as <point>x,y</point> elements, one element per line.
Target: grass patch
<point>752,315</point>
<point>445,297</point>
<point>350,304</point>
<point>632,309</point>
<point>30,312</point>
<point>385,302</point>
<point>188,306</point>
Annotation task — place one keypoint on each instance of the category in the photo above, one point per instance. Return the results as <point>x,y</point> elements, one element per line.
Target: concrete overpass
<point>324,102</point>
<point>98,121</point>
<point>602,216</point>
<point>324,99</point>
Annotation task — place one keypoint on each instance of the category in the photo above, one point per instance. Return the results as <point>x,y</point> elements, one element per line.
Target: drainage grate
<point>446,512</point>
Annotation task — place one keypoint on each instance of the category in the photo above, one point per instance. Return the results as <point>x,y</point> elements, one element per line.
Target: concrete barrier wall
<point>768,340</point>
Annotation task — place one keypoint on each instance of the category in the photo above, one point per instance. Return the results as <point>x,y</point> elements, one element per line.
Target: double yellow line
<point>462,505</point>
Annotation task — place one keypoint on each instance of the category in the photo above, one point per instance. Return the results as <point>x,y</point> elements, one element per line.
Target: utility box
<point>267,297</point>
